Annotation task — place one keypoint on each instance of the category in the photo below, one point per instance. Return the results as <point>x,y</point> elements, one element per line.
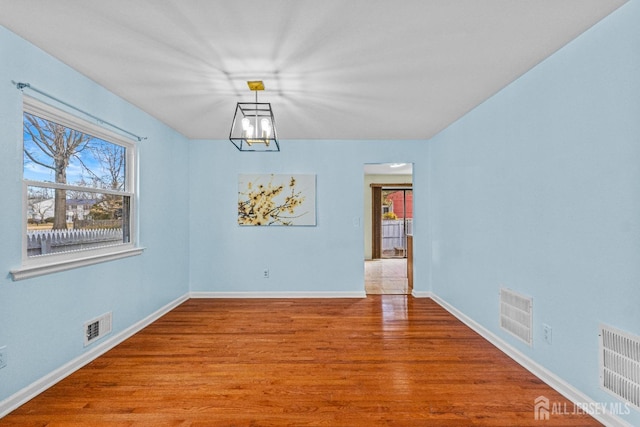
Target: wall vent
<point>620,364</point>
<point>516,315</point>
<point>97,328</point>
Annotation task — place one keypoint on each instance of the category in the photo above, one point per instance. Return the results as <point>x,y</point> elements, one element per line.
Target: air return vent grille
<point>516,315</point>
<point>620,364</point>
<point>97,328</point>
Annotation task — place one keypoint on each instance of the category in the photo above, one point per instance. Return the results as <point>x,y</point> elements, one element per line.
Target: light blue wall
<point>538,190</point>
<point>41,319</point>
<point>327,258</point>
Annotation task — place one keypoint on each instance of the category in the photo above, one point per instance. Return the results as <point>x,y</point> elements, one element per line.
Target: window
<point>78,186</point>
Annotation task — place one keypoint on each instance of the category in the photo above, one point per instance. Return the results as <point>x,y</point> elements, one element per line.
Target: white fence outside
<point>394,235</point>
<point>42,242</point>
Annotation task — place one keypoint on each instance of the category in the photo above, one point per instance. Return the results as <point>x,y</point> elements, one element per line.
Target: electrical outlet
<point>547,333</point>
<point>265,273</point>
<point>3,356</point>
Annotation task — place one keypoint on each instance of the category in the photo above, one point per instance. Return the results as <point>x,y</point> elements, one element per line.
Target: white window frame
<point>51,263</point>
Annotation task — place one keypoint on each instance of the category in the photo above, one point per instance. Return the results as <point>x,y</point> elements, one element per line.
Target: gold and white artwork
<point>276,199</point>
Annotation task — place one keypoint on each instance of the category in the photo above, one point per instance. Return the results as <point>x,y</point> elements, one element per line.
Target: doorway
<point>388,228</point>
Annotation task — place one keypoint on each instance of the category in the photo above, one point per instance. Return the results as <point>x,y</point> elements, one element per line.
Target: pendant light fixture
<point>254,127</point>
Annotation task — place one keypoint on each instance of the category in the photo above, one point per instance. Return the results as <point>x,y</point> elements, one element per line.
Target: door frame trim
<point>376,218</point>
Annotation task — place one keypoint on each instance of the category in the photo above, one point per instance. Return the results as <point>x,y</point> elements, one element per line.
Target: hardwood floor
<point>384,360</point>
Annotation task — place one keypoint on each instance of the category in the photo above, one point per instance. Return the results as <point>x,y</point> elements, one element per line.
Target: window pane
<point>56,153</point>
<point>90,220</point>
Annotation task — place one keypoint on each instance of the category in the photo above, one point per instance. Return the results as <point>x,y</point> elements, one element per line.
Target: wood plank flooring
<point>387,360</point>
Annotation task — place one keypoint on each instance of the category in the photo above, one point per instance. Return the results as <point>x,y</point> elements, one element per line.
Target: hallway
<point>387,276</point>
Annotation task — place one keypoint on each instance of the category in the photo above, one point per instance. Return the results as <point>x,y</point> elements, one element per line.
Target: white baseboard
<point>29,392</point>
<point>421,294</point>
<point>278,294</point>
<point>555,382</point>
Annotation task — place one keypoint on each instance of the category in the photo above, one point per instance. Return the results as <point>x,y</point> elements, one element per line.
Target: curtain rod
<point>22,86</point>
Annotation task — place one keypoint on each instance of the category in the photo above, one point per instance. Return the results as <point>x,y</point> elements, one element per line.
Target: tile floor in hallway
<point>386,276</point>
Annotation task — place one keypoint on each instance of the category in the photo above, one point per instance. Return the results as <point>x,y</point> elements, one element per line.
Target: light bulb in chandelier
<point>266,128</point>
<point>245,124</point>
<point>249,131</point>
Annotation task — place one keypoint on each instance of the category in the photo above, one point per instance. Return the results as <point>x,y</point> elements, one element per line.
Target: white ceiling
<point>333,69</point>
<point>388,169</point>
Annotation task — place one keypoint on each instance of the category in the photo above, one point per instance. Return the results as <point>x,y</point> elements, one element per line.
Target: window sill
<point>29,271</point>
